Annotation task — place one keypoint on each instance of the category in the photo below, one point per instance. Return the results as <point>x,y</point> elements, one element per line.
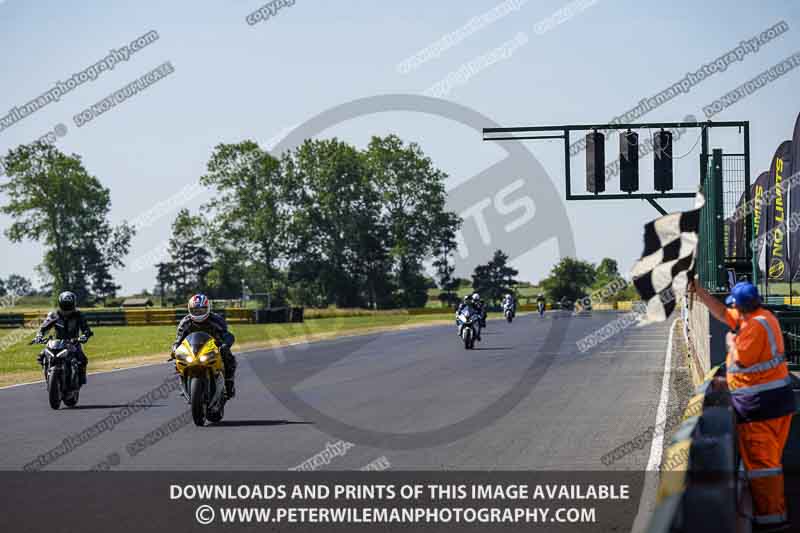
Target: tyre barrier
<point>167,317</point>
<point>699,486</point>
<point>161,317</point>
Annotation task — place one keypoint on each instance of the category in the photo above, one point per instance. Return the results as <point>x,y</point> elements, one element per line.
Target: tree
<point>248,214</point>
<point>607,270</point>
<point>165,279</point>
<point>224,279</point>
<point>19,285</point>
<point>462,283</point>
<point>53,199</point>
<point>446,245</point>
<point>335,233</point>
<point>190,261</point>
<point>100,254</point>
<point>495,278</point>
<point>569,279</point>
<point>412,197</point>
<point>610,286</point>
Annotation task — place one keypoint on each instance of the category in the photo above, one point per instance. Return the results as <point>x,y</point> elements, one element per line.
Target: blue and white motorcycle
<point>468,322</point>
<point>509,310</point>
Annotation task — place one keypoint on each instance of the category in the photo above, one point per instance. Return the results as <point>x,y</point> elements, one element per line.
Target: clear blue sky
<point>233,81</point>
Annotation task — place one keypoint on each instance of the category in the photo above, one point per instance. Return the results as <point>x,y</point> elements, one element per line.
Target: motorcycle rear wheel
<point>197,391</point>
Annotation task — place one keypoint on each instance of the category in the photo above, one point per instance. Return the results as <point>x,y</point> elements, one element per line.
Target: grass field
<point>121,347</point>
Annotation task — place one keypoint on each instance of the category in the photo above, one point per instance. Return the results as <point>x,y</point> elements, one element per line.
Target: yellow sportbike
<point>199,363</point>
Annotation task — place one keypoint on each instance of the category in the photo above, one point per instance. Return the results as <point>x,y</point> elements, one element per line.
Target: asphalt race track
<point>581,406</point>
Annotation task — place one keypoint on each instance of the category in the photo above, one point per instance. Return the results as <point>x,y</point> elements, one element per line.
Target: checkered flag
<point>667,263</point>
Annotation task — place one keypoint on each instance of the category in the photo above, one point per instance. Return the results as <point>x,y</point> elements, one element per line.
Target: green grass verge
<point>132,344</point>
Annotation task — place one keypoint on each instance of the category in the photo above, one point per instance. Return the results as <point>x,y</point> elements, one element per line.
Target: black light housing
<point>662,160</point>
<point>595,162</point>
<point>629,161</point>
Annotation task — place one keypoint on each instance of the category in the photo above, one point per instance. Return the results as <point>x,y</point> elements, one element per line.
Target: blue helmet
<point>745,295</point>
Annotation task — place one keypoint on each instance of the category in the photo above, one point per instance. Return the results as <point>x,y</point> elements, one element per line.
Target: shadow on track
<point>113,406</point>
<point>250,423</point>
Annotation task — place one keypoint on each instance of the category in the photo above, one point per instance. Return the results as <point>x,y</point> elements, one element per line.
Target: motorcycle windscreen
<point>197,340</point>
<point>56,345</point>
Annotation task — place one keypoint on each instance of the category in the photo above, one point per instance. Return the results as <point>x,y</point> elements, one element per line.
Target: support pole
<point>658,207</point>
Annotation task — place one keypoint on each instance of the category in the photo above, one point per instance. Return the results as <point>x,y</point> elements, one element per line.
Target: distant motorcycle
<point>468,326</point>
<point>509,312</point>
<point>61,370</point>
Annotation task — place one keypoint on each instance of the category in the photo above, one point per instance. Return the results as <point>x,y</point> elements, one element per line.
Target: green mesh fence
<point>724,185</point>
<point>710,261</point>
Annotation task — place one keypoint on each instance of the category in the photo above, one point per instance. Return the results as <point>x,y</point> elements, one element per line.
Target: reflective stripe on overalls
<point>777,357</point>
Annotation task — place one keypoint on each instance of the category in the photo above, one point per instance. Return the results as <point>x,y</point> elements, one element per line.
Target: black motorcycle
<point>61,370</point>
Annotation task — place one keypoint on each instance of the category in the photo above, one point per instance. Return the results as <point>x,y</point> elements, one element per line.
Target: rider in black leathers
<point>200,318</point>
<point>480,306</point>
<point>540,303</point>
<point>69,323</point>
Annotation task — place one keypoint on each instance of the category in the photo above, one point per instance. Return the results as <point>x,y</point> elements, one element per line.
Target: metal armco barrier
<point>699,488</point>
<point>702,486</point>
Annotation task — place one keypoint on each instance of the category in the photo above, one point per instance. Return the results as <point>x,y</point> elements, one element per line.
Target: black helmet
<point>66,302</point>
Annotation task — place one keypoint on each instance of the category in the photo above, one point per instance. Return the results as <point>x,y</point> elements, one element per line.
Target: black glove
<point>38,339</point>
<point>83,339</point>
<point>172,352</point>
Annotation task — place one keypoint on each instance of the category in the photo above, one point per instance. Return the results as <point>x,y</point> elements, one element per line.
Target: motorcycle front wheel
<point>71,399</point>
<point>54,390</point>
<point>197,392</point>
<point>216,416</point>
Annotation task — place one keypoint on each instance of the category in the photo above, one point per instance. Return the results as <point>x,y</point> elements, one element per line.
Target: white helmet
<point>476,297</point>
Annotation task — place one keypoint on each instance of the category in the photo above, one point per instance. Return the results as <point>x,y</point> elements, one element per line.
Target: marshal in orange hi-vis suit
<point>761,392</point>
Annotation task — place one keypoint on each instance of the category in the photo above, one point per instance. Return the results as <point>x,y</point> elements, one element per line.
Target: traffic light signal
<point>595,162</point>
<point>629,161</point>
<point>662,171</point>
